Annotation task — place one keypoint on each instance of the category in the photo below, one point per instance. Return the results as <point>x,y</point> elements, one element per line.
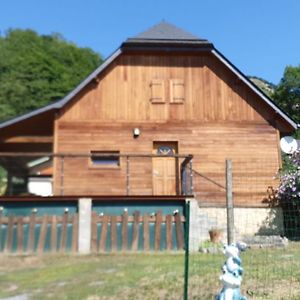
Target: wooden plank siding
<point>219,118</point>
<point>123,93</point>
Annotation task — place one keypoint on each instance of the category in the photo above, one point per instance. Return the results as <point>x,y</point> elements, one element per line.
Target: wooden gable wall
<point>123,93</point>
<point>219,118</point>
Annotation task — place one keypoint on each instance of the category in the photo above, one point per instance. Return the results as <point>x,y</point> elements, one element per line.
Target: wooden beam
<point>28,139</point>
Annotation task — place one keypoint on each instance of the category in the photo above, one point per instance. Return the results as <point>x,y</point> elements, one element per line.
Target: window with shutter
<point>157,91</point>
<point>176,91</point>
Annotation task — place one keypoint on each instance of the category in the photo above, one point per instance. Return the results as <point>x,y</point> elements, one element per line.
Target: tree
<point>38,69</point>
<point>287,93</point>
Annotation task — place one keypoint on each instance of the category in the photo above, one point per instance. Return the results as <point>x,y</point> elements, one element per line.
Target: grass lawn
<point>269,274</point>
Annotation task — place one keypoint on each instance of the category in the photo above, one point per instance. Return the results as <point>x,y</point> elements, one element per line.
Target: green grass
<point>269,274</point>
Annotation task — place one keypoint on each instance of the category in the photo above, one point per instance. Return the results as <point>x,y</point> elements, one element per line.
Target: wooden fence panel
<point>15,238</point>
<point>135,231</point>
<point>169,232</point>
<point>10,231</point>
<point>146,232</point>
<point>64,227</point>
<point>179,232</point>
<point>31,239</point>
<point>137,220</point>
<point>113,233</point>
<point>102,241</point>
<point>43,233</point>
<point>157,237</point>
<point>94,232</point>
<point>53,234</point>
<point>119,239</point>
<point>125,231</point>
<point>75,233</point>
<point>20,235</point>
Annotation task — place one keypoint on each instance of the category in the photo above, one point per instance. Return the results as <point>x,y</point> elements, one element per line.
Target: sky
<point>260,37</point>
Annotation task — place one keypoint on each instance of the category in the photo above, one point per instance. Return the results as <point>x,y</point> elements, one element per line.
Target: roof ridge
<point>165,31</point>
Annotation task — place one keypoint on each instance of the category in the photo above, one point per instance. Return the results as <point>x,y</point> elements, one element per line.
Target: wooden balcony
<point>100,173</point>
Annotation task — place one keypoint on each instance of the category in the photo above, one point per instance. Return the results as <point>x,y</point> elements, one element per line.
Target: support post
<point>84,230</point>
<point>191,179</point>
<point>186,260</point>
<point>194,230</point>
<point>127,176</point>
<point>62,167</point>
<point>229,202</point>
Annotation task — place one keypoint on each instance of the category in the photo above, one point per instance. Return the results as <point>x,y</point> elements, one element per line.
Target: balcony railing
<point>129,174</point>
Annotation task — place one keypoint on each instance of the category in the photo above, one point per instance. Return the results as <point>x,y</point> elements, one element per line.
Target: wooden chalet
<point>158,117</point>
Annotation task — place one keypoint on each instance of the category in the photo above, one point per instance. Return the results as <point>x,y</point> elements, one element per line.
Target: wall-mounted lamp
<point>136,132</point>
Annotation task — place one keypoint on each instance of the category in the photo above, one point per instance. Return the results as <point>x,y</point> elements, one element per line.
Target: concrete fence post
<point>84,230</point>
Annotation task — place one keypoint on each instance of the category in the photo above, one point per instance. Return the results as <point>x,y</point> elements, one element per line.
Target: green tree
<point>38,69</point>
<point>287,93</point>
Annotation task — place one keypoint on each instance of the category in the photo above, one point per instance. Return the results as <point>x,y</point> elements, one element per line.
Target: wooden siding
<point>252,146</point>
<point>123,93</point>
<point>218,117</point>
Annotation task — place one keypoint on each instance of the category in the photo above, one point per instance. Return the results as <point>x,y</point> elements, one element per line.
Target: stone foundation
<point>247,222</point>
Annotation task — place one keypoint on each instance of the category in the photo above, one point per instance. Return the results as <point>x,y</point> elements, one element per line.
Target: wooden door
<point>164,168</point>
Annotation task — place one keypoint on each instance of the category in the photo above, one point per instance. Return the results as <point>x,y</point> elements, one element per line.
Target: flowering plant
<point>288,194</point>
<point>289,187</point>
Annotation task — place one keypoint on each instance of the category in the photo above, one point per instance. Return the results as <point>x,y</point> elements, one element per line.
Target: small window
<point>105,159</point>
<point>157,91</point>
<point>165,150</point>
<point>177,91</point>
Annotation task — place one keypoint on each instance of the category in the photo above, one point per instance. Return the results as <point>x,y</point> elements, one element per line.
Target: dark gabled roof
<point>161,36</point>
<point>165,31</point>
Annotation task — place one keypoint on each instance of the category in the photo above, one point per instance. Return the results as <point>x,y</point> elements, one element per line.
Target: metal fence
<point>271,231</point>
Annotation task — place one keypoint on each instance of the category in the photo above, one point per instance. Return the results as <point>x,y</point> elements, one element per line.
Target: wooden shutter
<point>157,91</point>
<point>176,91</point>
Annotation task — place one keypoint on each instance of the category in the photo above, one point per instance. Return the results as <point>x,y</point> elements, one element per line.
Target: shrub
<point>288,194</point>
<point>289,187</point>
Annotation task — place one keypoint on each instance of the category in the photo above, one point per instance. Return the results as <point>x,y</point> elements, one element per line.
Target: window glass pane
<point>105,158</point>
<point>165,150</point>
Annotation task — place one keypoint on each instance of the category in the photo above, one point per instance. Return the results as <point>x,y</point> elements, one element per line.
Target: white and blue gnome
<point>232,273</point>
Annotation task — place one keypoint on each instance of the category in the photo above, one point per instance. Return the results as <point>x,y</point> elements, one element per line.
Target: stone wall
<point>247,222</point>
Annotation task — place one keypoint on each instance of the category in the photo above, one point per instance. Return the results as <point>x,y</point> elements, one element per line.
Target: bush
<point>289,197</point>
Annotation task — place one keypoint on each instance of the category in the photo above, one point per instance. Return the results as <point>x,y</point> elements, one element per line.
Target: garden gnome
<point>232,273</point>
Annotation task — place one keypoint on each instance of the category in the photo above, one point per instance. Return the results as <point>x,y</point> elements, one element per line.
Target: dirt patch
<point>12,287</point>
<point>275,290</point>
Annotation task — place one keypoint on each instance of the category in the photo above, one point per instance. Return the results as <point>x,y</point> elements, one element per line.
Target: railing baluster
<point>127,176</point>
<point>62,160</point>
<point>191,178</point>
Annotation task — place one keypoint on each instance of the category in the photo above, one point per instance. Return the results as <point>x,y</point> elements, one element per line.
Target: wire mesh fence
<point>269,227</point>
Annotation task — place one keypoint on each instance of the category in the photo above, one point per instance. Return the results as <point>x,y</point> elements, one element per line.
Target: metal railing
<point>17,165</point>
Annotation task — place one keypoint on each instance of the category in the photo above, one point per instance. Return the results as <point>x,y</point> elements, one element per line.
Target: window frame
<point>105,165</point>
